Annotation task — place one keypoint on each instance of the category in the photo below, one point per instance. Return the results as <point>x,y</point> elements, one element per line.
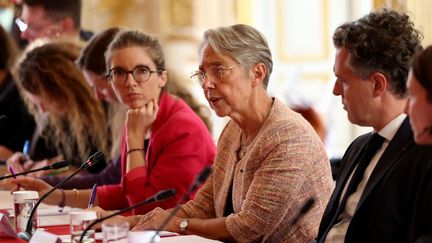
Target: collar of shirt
<point>389,130</point>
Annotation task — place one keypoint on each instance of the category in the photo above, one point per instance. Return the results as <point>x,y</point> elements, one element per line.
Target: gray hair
<point>243,43</point>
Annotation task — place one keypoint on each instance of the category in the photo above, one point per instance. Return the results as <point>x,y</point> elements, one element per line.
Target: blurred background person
<point>420,103</point>
<point>17,124</point>
<point>65,109</point>
<point>51,19</point>
<point>313,117</point>
<point>40,19</point>
<point>91,61</point>
<point>420,111</point>
<point>164,145</point>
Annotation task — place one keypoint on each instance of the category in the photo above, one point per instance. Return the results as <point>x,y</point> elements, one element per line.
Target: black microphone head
<point>60,164</point>
<point>204,174</point>
<point>165,194</point>
<point>303,210</point>
<point>94,159</point>
<point>307,206</point>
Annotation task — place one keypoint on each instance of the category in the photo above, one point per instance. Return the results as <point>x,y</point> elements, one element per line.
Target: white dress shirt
<point>338,231</point>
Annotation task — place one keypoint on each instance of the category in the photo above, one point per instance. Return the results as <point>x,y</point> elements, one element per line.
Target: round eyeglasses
<point>140,74</point>
<point>214,73</point>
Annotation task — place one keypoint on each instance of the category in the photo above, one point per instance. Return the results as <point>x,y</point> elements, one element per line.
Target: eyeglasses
<point>22,26</point>
<point>48,29</point>
<point>140,74</point>
<point>214,73</point>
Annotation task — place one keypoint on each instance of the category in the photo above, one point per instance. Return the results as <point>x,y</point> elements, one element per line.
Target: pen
<point>13,173</point>
<point>92,196</point>
<point>26,148</point>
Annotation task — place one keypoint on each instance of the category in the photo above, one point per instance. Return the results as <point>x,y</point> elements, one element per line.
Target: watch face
<point>183,224</point>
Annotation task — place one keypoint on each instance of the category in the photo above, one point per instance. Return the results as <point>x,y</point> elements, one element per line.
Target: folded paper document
<point>6,228</point>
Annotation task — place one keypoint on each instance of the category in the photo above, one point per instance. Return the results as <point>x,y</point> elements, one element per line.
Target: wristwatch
<point>184,224</point>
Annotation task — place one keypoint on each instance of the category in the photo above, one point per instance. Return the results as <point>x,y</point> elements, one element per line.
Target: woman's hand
<point>19,162</point>
<point>100,213</point>
<point>31,165</point>
<point>33,184</point>
<point>6,184</point>
<point>154,219</point>
<point>138,122</point>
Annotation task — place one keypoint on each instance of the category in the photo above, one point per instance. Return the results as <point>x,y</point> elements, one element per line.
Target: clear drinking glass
<point>24,202</point>
<point>146,236</point>
<point>78,223</point>
<point>115,232</point>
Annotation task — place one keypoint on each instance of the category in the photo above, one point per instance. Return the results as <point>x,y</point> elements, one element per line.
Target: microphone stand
<point>26,235</point>
<point>162,195</point>
<point>200,179</point>
<point>56,165</point>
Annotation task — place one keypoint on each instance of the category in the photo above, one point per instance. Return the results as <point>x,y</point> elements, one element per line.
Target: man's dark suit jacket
<point>385,208</point>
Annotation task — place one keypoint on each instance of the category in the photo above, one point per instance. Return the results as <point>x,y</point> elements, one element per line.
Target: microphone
<point>303,210</point>
<point>202,176</point>
<point>92,160</point>
<point>161,195</point>
<point>53,166</point>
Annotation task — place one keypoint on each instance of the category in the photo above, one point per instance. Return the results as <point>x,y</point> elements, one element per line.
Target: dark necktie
<point>373,145</point>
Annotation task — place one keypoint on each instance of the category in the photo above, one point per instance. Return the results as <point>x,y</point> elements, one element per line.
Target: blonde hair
<point>48,70</point>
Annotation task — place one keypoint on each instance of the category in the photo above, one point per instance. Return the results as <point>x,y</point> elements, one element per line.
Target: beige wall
<point>100,14</point>
<point>420,11</point>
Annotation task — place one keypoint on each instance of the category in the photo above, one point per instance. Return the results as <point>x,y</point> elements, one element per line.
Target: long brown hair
<point>421,68</point>
<point>49,71</point>
<point>92,59</point>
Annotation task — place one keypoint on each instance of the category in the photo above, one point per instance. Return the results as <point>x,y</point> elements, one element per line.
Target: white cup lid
<point>24,195</point>
<point>82,215</point>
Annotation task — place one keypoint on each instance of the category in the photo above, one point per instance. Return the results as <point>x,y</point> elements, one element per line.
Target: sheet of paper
<point>6,228</point>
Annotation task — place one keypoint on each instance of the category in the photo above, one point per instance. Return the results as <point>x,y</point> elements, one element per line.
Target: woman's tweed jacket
<point>285,165</point>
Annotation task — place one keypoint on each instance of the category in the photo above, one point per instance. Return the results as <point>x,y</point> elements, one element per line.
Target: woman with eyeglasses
<point>164,144</point>
<point>270,164</point>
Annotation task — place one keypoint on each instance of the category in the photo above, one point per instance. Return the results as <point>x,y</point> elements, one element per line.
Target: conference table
<point>52,221</point>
